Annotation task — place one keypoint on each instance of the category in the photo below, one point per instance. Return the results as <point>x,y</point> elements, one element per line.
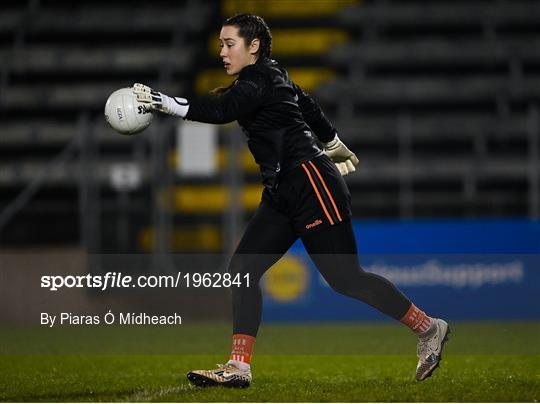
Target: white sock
<point>240,365</point>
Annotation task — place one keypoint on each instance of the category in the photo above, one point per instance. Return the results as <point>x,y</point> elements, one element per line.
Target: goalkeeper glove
<point>344,159</point>
<point>156,101</point>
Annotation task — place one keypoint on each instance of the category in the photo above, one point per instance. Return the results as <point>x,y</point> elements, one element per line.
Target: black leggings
<point>332,249</point>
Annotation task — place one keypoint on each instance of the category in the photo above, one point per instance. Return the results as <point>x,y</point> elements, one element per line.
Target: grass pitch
<point>314,362</point>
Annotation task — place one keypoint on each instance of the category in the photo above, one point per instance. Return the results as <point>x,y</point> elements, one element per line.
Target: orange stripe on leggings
<point>317,192</point>
<point>326,189</point>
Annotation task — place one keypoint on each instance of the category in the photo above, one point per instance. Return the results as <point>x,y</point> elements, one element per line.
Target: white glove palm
<point>156,101</point>
<point>344,159</point>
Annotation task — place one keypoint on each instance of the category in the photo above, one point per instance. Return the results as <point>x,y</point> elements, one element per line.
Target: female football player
<point>304,195</point>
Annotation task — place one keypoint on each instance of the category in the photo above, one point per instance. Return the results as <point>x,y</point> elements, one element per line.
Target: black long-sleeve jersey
<point>277,117</point>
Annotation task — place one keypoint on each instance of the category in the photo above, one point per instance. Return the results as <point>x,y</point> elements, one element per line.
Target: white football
<point>125,114</point>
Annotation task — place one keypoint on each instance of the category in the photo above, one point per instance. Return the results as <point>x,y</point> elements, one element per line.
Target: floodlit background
<point>440,101</point>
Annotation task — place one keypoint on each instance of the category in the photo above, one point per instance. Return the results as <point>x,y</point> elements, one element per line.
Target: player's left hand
<point>155,101</point>
<point>345,160</point>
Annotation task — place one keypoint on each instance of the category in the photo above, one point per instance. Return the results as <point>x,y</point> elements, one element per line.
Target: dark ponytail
<point>221,90</point>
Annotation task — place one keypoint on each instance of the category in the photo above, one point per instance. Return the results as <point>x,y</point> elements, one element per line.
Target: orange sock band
<point>242,347</point>
<point>416,320</point>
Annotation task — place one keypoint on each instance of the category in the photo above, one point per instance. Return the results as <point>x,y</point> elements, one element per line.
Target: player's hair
<point>252,27</point>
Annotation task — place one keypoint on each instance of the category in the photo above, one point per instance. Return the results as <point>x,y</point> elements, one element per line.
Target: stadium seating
<point>60,61</point>
<point>439,99</point>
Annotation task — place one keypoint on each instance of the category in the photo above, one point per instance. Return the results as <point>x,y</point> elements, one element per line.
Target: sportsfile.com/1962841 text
<point>111,280</point>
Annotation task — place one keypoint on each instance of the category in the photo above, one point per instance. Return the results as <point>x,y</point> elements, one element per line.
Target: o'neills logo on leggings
<point>315,223</point>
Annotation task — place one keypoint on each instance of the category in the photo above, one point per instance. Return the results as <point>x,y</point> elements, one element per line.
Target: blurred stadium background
<point>439,99</point>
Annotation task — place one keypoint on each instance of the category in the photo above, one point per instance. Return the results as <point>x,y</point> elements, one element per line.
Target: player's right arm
<point>245,96</point>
